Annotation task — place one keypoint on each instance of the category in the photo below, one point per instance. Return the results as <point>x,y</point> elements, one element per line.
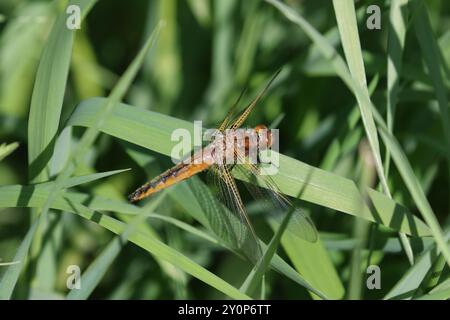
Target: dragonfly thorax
<point>233,146</point>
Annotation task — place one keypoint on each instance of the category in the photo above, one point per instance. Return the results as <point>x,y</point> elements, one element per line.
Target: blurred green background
<point>208,51</point>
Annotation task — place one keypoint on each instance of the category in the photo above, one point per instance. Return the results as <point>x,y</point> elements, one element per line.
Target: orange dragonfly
<point>208,158</point>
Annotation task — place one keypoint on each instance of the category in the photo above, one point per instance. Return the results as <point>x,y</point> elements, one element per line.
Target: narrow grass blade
<point>396,44</point>
<point>76,181</point>
<point>9,279</point>
<point>48,93</point>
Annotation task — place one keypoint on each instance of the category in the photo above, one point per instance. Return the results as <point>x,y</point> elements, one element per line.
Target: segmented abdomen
<point>174,175</point>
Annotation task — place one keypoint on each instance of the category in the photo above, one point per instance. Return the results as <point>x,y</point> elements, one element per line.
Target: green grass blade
<point>396,44</point>
<point>48,94</point>
<point>76,181</point>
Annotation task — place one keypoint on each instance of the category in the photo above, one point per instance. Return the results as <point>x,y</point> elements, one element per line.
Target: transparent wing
<point>225,123</point>
<point>244,114</point>
<point>238,223</point>
<point>300,224</point>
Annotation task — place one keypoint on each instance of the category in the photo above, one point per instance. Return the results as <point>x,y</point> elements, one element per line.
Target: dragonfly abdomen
<point>167,178</point>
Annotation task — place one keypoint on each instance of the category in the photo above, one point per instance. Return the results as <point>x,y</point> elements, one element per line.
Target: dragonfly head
<point>264,136</point>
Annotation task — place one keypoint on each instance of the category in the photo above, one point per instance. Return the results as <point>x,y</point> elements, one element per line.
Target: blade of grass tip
<point>76,181</point>
<point>348,29</point>
<point>256,274</point>
<point>432,57</point>
<point>7,149</point>
<point>98,268</point>
<point>413,185</point>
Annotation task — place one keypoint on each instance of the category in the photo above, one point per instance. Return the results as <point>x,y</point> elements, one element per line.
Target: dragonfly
<point>212,158</point>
